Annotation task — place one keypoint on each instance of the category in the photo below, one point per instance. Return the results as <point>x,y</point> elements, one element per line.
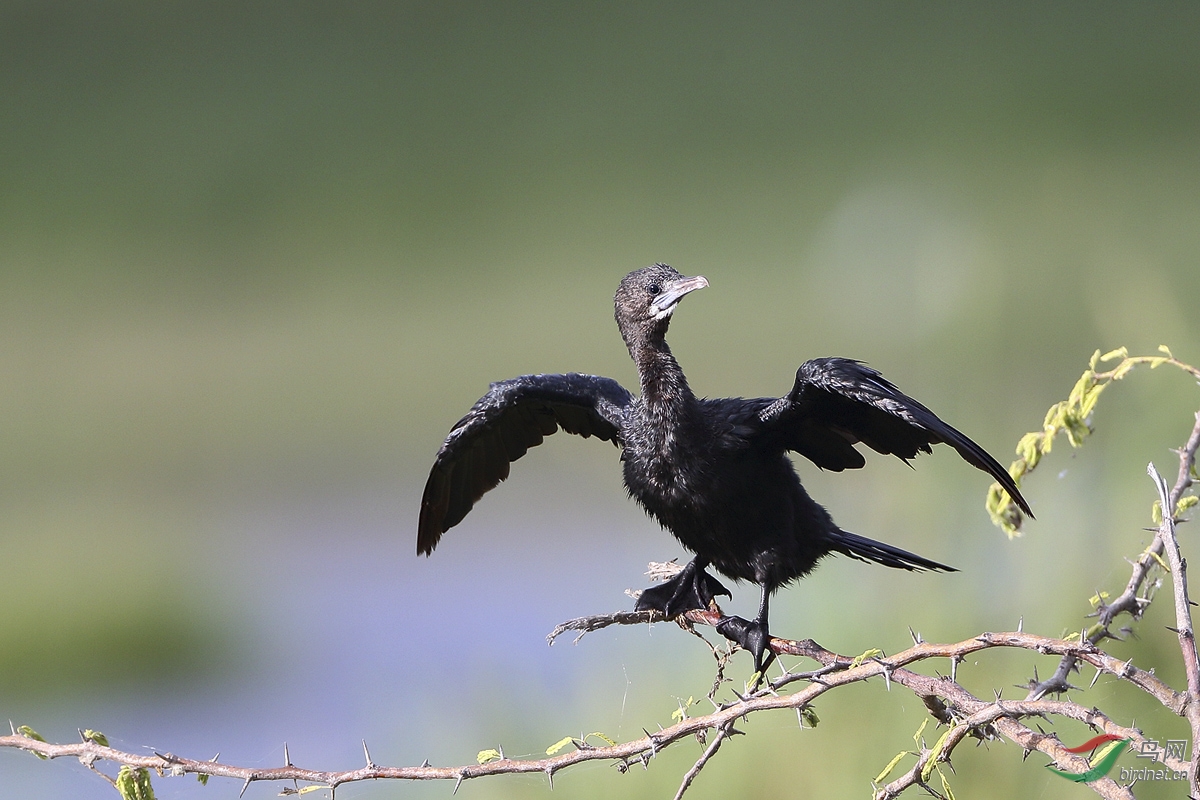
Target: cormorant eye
<point>654,289</point>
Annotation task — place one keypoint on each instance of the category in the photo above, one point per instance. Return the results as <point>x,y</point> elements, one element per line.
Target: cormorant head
<point>647,297</point>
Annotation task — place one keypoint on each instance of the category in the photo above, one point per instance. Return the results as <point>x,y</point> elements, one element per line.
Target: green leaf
<point>857,662</point>
<point>891,766</point>
<point>203,779</point>
<point>945,784</point>
<point>559,745</point>
<point>484,756</point>
<point>927,770</point>
<point>1120,352</point>
<point>1185,503</point>
<point>30,733</point>
<point>134,784</point>
<point>1162,348</point>
<point>808,714</point>
<point>96,736</point>
<point>680,714</point>
<point>603,738</point>
<point>920,730</point>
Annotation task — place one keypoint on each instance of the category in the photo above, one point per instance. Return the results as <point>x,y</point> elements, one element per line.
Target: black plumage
<point>713,472</point>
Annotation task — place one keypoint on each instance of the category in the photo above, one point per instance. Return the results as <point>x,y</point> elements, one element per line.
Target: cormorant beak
<point>664,303</point>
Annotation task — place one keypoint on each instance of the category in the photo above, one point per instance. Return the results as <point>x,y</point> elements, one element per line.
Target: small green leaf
<point>857,662</point>
<point>603,738</point>
<point>920,730</point>
<point>203,779</point>
<point>317,788</point>
<point>891,766</point>
<point>809,714</point>
<point>680,714</point>
<point>134,784</point>
<point>96,736</point>
<point>945,784</point>
<point>484,756</point>
<point>559,745</point>
<point>1162,348</point>
<point>927,770</point>
<point>1185,503</point>
<point>1071,637</point>
<point>1120,352</point>
<point>30,733</point>
<point>1098,598</point>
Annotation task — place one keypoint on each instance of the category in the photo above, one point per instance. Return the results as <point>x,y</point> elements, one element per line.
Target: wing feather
<point>837,402</point>
<point>512,417</point>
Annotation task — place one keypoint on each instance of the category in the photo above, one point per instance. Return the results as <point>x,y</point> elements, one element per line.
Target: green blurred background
<point>255,258</point>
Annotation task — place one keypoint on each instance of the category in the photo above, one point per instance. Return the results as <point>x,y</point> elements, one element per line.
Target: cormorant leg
<point>754,636</point>
<point>692,588</point>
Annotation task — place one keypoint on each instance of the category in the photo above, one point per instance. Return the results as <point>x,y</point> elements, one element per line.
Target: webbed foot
<point>692,588</point>
<point>753,636</point>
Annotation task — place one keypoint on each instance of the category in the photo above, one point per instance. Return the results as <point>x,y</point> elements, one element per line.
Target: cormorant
<point>713,472</point>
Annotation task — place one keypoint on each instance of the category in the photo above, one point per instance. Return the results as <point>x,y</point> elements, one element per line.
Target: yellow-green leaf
<point>603,738</point>
<point>808,714</point>
<point>927,770</point>
<point>1185,503</point>
<point>96,736</point>
<point>1162,348</point>
<point>891,766</point>
<point>920,730</point>
<point>203,779</point>
<point>1120,352</point>
<point>857,662</point>
<point>484,756</point>
<point>30,733</point>
<point>680,713</point>
<point>559,745</point>
<point>945,784</point>
<point>134,784</point>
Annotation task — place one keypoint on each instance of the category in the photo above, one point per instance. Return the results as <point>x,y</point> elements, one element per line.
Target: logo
<point>1103,763</point>
<point>1111,748</point>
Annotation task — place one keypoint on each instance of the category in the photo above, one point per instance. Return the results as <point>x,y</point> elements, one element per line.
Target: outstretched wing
<point>512,417</point>
<point>837,402</point>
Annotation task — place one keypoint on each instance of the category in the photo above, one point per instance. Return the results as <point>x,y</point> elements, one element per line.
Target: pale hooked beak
<point>664,303</point>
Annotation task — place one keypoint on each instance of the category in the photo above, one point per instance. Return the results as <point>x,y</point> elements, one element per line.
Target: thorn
<point>213,760</point>
<point>916,637</point>
<point>500,748</point>
<point>550,777</point>
<point>245,785</point>
<point>12,727</point>
<point>458,782</point>
<point>1096,678</point>
<point>425,763</point>
<point>653,742</point>
<point>367,753</point>
<point>1020,625</point>
<point>81,736</point>
<point>287,759</point>
<point>953,669</point>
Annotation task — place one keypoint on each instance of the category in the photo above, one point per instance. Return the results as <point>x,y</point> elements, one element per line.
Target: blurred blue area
<point>255,259</point>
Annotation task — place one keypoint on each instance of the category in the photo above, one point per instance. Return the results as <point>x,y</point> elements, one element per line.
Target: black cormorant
<point>715,473</point>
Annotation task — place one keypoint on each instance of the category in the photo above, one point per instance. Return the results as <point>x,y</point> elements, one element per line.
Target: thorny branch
<point>1131,601</point>
<point>951,705</point>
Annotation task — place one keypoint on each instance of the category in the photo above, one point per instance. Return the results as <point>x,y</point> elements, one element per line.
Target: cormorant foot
<point>753,636</point>
<point>692,588</point>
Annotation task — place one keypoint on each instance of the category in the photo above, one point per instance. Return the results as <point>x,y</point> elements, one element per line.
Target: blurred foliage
<point>1073,417</point>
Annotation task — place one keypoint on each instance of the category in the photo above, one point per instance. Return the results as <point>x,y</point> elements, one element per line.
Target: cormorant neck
<point>662,379</point>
